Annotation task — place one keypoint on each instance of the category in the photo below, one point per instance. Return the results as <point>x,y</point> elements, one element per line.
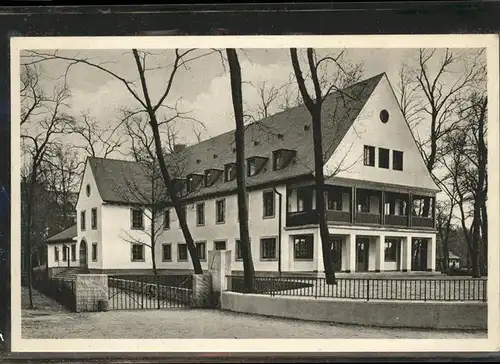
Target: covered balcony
<point>423,211</point>
<point>301,205</point>
<point>363,206</point>
<point>368,206</point>
<point>396,208</point>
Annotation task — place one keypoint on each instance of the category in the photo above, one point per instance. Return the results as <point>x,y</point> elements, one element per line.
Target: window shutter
<point>131,218</point>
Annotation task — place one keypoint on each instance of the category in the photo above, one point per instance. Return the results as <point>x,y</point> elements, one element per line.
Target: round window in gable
<point>88,190</point>
<point>384,116</point>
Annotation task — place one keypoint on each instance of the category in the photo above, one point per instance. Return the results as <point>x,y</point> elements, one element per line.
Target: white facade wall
<point>367,129</point>
<point>51,255</point>
<point>90,235</point>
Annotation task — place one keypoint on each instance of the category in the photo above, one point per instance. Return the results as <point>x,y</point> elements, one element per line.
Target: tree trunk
<point>320,198</point>
<point>29,233</point>
<point>172,193</point>
<point>314,108</point>
<point>246,250</point>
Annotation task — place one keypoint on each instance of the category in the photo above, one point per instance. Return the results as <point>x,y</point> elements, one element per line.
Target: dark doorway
<point>362,254</point>
<point>419,255</point>
<point>336,252</point>
<point>83,254</point>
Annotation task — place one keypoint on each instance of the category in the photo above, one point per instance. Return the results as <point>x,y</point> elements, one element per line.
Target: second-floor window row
<point>383,158</point>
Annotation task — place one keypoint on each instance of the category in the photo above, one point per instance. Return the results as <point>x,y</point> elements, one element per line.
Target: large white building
<point>380,196</point>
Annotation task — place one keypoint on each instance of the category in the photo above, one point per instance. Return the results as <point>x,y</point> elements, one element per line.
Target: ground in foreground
<point>51,321</point>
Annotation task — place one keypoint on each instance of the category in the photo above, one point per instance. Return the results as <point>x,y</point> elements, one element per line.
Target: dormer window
<point>193,181</point>
<point>179,185</point>
<point>255,165</point>
<point>212,176</point>
<point>229,172</point>
<point>282,157</point>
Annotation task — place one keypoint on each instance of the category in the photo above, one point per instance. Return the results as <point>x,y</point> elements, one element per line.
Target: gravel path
<point>186,323</point>
<point>52,321</point>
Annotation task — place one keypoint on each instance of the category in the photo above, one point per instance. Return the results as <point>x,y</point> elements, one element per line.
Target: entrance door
<point>419,255</point>
<point>362,251</point>
<point>336,253</point>
<point>83,254</point>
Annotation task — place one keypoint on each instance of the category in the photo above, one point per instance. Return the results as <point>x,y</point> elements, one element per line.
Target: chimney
<point>179,148</point>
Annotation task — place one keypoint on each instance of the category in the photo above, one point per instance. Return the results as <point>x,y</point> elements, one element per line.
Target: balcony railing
<point>418,221</point>
<point>301,218</point>
<point>396,220</point>
<point>338,216</point>
<point>310,218</point>
<point>367,218</point>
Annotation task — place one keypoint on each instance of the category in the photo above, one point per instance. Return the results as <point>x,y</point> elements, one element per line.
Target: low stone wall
<point>174,293</point>
<point>91,292</point>
<point>410,314</point>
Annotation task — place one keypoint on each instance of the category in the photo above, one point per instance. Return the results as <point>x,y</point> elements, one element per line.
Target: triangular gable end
<point>94,198</point>
<point>368,129</point>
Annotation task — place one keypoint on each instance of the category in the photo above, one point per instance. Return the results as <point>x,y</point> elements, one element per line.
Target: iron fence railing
<point>403,289</point>
<point>134,292</point>
<point>61,290</point>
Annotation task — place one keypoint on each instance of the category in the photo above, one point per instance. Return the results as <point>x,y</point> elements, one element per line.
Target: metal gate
<point>143,292</point>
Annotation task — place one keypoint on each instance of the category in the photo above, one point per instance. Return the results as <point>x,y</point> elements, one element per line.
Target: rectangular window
<point>166,252</point>
<point>220,211</point>
<point>334,200</point>
<point>391,251</point>
<point>82,220</point>
<point>268,248</point>
<point>219,245</point>
<point>94,218</point>
<point>268,203</point>
<point>56,253</point>
<point>277,160</point>
<point>94,252</point>
<point>383,158</point>
<point>166,220</point>
<point>137,219</point>
<point>200,214</point>
<point>397,160</point>
<point>237,254</point>
<point>251,167</point>
<point>73,252</point>
<point>303,247</point>
<point>65,253</point>
<point>137,252</point>
<point>369,156</point>
<point>201,250</point>
<point>182,252</point>
<point>304,199</point>
<point>229,172</point>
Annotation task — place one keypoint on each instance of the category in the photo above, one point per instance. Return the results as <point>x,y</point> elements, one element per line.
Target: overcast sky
<point>204,88</point>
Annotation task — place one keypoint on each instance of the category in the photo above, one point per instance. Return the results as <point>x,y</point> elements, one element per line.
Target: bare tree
<point>98,139</point>
<point>237,97</point>
<point>322,87</point>
<point>467,167</point>
<point>144,98</point>
<point>38,132</point>
<point>62,170</point>
<point>435,97</point>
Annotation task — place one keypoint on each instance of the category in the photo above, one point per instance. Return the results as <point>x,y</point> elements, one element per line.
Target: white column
<point>406,255</point>
<point>318,263</point>
<point>431,254</point>
<point>379,253</point>
<point>350,243</point>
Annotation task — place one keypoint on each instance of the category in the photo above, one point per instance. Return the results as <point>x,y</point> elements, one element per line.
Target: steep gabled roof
<point>289,129</point>
<point>65,235</point>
